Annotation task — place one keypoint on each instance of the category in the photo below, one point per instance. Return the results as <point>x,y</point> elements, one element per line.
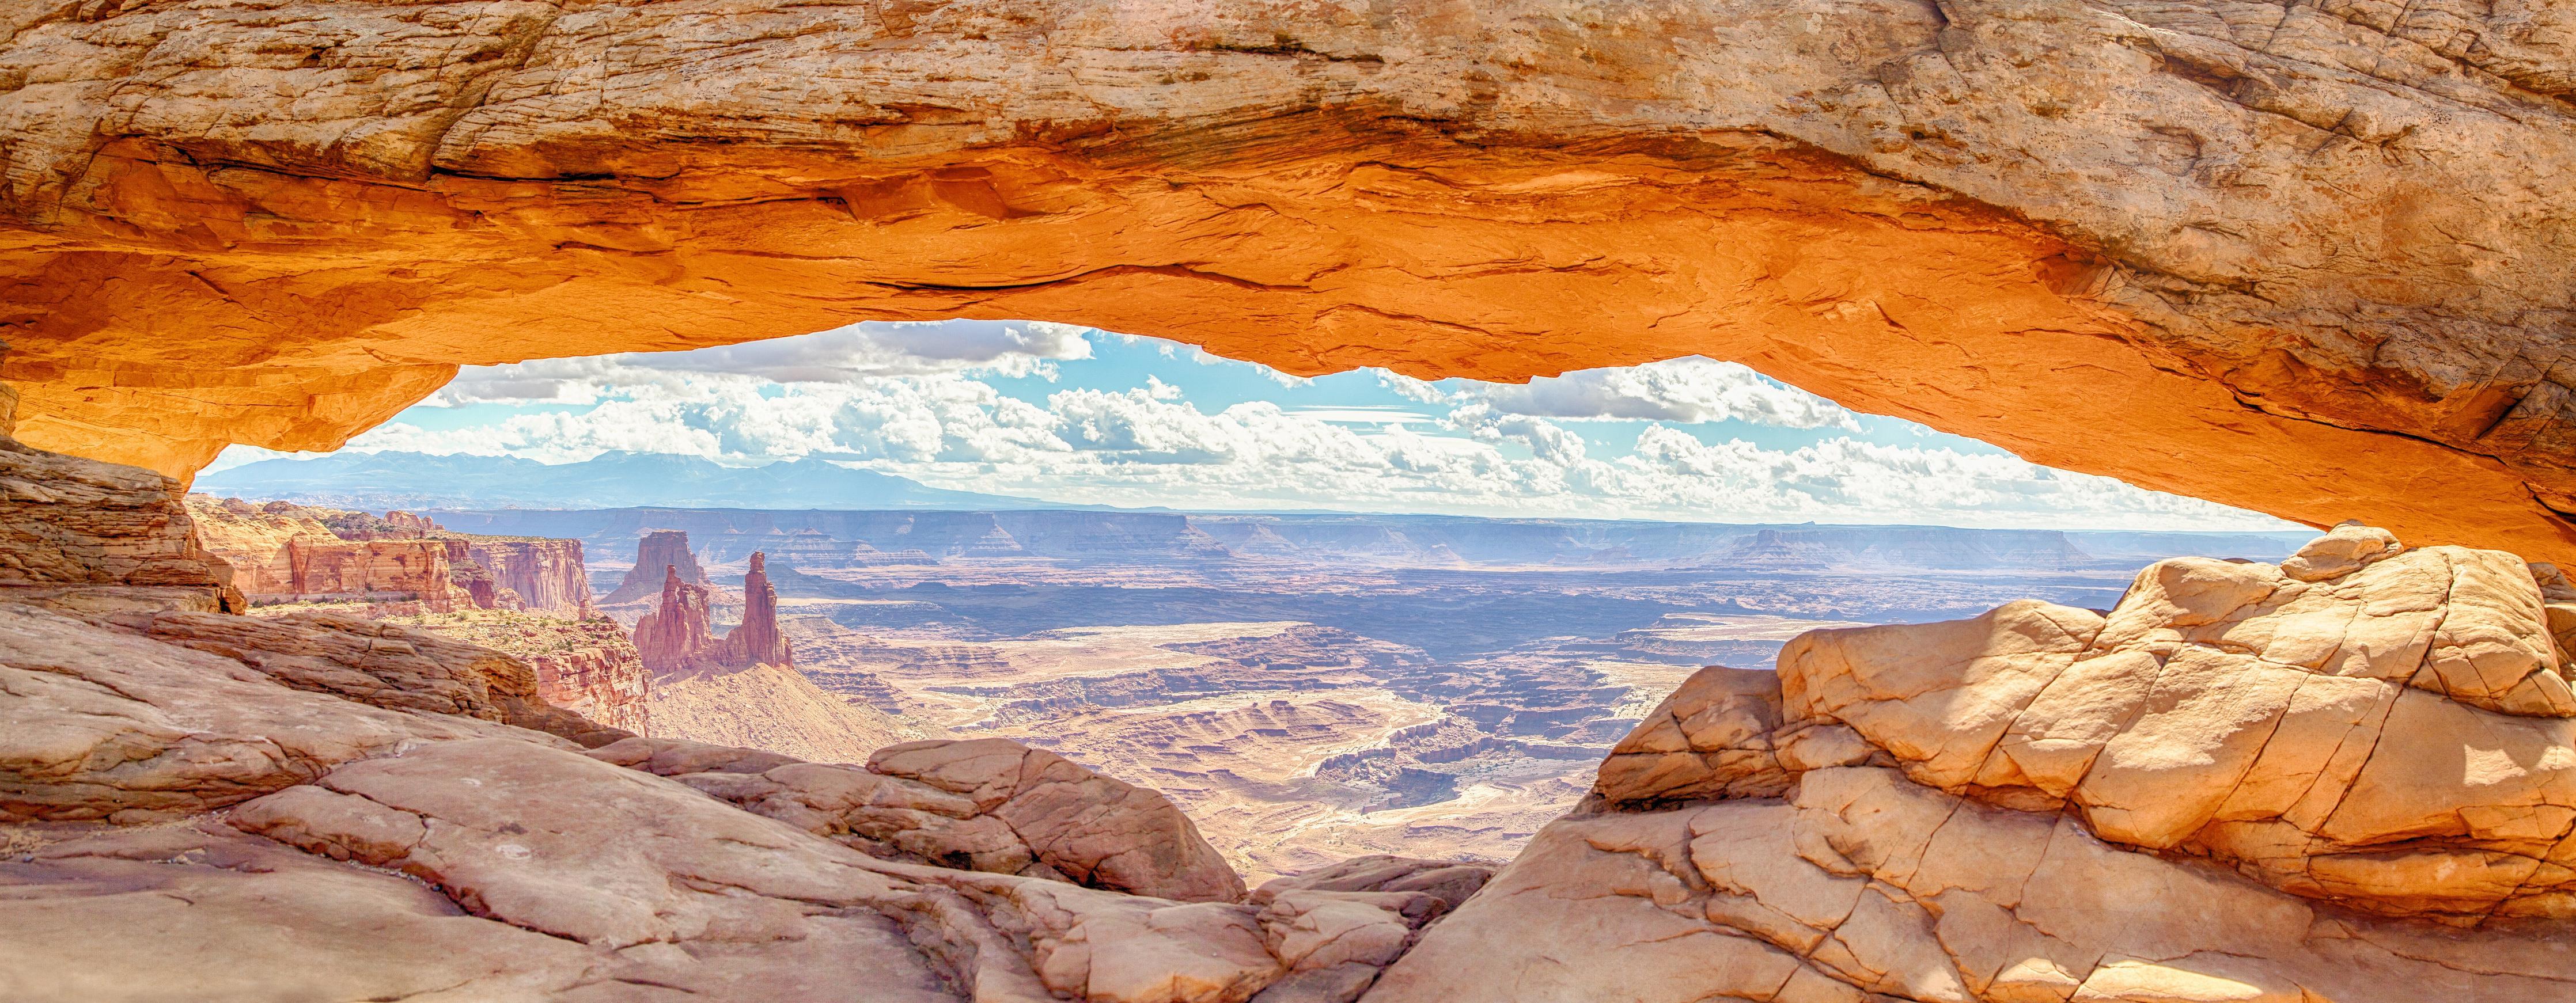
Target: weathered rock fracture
<point>2313,259</point>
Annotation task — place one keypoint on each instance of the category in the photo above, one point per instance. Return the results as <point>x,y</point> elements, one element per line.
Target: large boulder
<point>1865,885</point>
<point>2394,734</point>
<point>984,804</point>
<point>2387,728</point>
<point>1095,830</point>
<point>98,723</point>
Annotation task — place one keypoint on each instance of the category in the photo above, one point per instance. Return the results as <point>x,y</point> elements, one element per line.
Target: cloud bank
<point>918,400</point>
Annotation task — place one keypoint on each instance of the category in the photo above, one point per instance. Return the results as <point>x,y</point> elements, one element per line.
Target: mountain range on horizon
<point>809,539</point>
<point>406,480</point>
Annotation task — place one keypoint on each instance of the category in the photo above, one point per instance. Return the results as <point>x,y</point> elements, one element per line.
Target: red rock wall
<point>606,683</point>
<point>756,641</point>
<point>547,574</point>
<point>409,569</point>
<point>677,636</point>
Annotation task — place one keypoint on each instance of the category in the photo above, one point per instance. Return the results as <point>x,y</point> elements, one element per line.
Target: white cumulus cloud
<point>1686,390</point>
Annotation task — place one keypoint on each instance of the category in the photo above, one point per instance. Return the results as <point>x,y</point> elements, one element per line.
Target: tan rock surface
<point>1865,885</point>
<point>1094,830</point>
<point>2388,729</point>
<point>986,805</point>
<point>2303,259</point>
<point>226,917</point>
<point>624,861</point>
<point>98,724</point>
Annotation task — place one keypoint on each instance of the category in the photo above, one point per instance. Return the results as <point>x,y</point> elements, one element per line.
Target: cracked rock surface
<point>2346,777</point>
<point>1864,885</point>
<point>2387,728</point>
<point>986,805</point>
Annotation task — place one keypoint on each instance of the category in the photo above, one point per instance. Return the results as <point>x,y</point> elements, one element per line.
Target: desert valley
<point>1287,501</point>
<point>1308,687</point>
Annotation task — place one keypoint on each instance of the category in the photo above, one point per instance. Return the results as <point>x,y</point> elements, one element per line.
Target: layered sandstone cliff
<point>289,553</point>
<point>93,536</point>
<point>2302,258</point>
<point>545,575</point>
<point>587,666</point>
<point>286,553</point>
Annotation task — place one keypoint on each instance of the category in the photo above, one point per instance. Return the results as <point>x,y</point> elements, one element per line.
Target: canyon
<point>283,553</point>
<point>2307,259</point>
<point>1306,686</point>
<point>2180,796</point>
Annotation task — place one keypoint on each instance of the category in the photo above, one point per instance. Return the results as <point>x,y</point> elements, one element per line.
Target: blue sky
<point>1080,415</point>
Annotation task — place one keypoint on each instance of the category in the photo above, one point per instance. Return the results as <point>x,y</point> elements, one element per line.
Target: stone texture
<point>623,861</point>
<point>1864,885</point>
<point>986,805</point>
<point>2389,729</point>
<point>98,723</point>
<point>1445,882</point>
<point>230,918</point>
<point>2306,259</point>
<point>70,523</point>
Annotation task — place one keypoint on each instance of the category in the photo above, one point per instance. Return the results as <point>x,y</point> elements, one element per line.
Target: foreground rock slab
<point>1865,885</point>
<point>104,724</point>
<point>985,804</point>
<point>143,901</point>
<point>2387,728</point>
<point>656,872</point>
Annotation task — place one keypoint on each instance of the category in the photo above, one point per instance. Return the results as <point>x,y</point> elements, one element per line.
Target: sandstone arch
<point>2310,259</point>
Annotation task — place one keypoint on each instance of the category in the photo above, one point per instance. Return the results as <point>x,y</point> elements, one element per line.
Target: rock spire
<point>678,636</point>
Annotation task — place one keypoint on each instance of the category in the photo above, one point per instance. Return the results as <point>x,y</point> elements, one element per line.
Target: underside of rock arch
<point>2313,259</point>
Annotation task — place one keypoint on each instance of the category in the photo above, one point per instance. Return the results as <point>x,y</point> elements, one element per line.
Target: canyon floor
<point>1345,695</point>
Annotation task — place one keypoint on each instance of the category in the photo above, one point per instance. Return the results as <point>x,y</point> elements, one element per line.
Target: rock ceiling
<point>2312,259</point>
